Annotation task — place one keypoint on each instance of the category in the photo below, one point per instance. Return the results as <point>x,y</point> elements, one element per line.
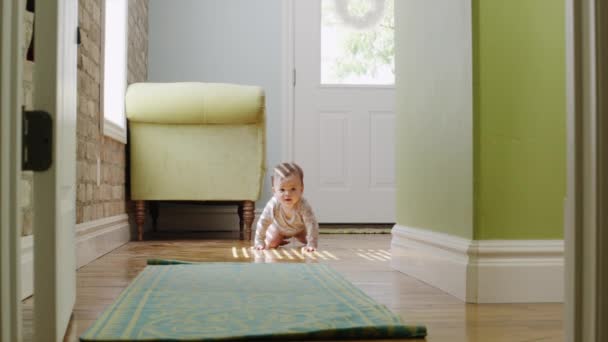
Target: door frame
<point>54,240</point>
<point>11,33</point>
<point>585,234</point>
<point>288,79</point>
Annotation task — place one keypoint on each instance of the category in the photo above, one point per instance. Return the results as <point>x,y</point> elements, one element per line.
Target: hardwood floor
<point>363,259</point>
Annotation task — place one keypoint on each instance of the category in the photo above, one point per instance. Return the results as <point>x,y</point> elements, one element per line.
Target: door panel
<point>54,196</point>
<point>343,122</point>
<point>382,150</point>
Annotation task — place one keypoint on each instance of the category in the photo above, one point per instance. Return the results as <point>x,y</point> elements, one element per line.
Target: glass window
<point>115,68</point>
<point>357,42</point>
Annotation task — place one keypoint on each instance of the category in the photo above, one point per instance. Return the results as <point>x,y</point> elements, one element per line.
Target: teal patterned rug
<point>175,301</point>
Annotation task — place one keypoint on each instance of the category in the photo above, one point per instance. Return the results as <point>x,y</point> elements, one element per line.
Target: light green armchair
<point>196,142</point>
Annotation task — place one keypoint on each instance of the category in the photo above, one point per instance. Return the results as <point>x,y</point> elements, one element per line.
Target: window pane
<point>115,61</point>
<point>357,42</point>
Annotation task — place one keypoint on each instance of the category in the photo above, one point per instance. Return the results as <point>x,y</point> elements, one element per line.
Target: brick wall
<point>108,198</point>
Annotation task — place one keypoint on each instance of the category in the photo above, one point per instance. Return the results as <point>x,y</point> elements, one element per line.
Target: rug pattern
<point>243,301</point>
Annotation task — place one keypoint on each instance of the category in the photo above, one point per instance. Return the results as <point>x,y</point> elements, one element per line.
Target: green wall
<point>520,113</point>
<point>481,117</point>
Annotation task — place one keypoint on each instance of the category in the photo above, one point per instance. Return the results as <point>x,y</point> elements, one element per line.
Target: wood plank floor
<point>363,259</point>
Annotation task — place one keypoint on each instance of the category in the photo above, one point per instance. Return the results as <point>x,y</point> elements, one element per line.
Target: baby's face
<point>288,190</point>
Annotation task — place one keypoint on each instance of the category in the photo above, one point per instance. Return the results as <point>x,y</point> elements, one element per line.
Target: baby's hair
<point>285,170</point>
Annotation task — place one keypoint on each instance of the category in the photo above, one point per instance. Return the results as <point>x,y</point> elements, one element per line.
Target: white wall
<point>433,60</point>
<point>232,41</point>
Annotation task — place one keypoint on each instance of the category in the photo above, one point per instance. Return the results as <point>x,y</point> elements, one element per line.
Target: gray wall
<point>230,41</point>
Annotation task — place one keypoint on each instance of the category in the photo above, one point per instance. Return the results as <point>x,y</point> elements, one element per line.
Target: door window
<point>357,42</point>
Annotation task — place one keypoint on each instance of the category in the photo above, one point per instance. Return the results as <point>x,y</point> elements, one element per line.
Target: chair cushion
<point>194,103</point>
<point>196,162</point>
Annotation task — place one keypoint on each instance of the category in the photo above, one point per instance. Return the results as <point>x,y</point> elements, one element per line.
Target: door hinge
<point>294,77</point>
<point>37,142</point>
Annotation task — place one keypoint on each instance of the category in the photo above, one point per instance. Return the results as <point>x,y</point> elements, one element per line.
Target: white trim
<point>11,68</point>
<point>114,131</point>
<point>110,128</point>
<point>438,259</point>
<point>478,271</point>
<point>27,266</point>
<point>288,79</point>
<point>55,86</point>
<point>96,238</point>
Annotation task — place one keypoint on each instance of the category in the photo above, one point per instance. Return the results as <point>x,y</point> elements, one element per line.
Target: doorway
<point>344,116</point>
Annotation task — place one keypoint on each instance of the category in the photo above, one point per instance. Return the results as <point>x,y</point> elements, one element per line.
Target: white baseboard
<point>93,239</point>
<point>96,238</point>
<point>437,259</point>
<point>27,266</point>
<point>478,271</point>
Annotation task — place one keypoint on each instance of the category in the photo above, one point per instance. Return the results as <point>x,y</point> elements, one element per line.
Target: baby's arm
<point>312,227</point>
<point>263,223</point>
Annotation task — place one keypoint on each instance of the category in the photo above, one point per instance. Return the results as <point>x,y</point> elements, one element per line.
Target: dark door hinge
<point>37,143</point>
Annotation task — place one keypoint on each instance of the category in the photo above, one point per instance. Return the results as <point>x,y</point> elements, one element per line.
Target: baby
<point>287,214</point>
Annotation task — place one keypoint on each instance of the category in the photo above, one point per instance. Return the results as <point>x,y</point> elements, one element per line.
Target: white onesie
<point>302,219</point>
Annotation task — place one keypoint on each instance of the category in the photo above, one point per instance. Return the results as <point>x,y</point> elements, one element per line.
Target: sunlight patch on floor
<point>295,253</point>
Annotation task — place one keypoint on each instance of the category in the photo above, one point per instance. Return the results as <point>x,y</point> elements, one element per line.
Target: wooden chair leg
<point>241,221</point>
<point>248,216</point>
<point>154,213</point>
<point>140,216</point>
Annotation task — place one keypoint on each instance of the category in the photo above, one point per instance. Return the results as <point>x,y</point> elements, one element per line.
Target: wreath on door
<point>360,22</point>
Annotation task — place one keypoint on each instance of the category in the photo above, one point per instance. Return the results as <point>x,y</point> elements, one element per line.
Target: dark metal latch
<point>37,141</point>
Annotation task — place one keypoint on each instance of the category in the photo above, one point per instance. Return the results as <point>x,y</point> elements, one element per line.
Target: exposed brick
<point>108,199</point>
<point>79,214</point>
<point>92,175</point>
<point>81,193</point>
<point>107,209</point>
<point>87,213</point>
<point>99,211</point>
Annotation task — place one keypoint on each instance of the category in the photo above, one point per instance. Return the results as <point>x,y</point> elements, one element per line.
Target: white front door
<point>55,91</point>
<point>344,118</point>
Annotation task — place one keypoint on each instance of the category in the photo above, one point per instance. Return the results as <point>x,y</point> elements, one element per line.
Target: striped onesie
<point>302,221</point>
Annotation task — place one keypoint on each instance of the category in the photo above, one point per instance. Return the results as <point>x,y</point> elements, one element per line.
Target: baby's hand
<point>259,247</point>
<point>308,249</point>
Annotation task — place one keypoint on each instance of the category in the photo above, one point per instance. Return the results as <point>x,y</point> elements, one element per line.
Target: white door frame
<point>54,189</point>
<point>11,32</point>
<point>288,79</point>
<point>586,217</point>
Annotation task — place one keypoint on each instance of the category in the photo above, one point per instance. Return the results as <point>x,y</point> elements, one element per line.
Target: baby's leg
<point>274,238</point>
<point>301,236</point>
